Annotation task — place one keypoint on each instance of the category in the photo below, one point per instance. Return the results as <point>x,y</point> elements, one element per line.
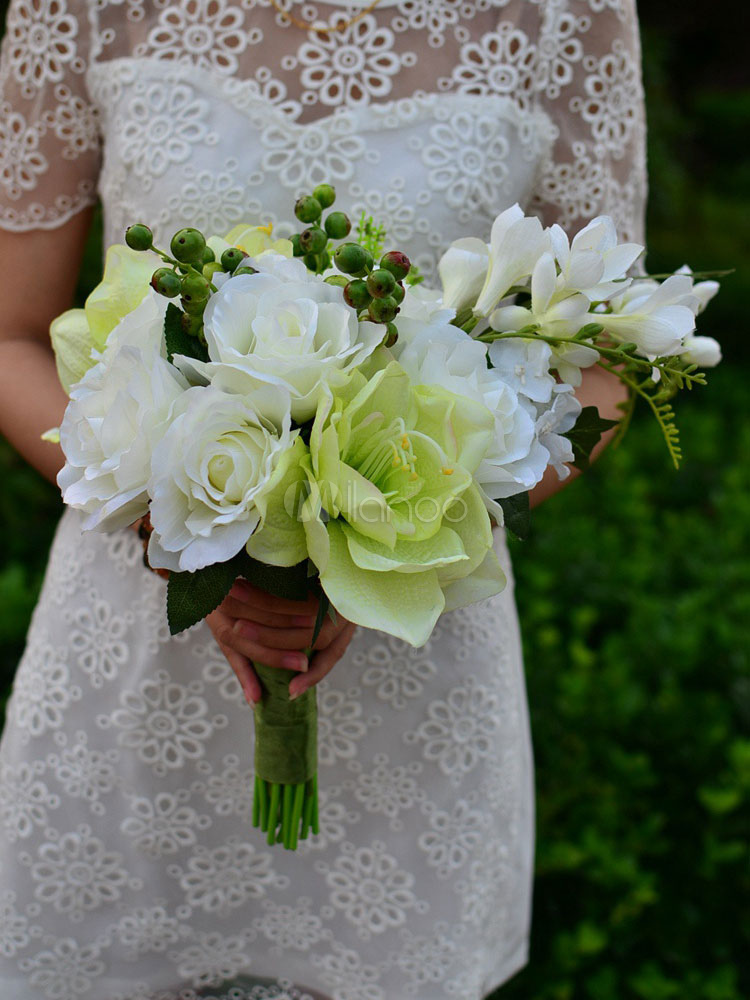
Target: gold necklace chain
<point>324,29</point>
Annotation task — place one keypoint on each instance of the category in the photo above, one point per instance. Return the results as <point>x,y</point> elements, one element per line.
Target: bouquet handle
<point>285,799</point>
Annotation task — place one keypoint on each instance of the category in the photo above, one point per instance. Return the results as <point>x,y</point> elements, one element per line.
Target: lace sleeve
<point>590,85</point>
<point>49,140</point>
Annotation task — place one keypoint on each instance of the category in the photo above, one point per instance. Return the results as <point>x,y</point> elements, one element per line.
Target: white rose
<point>423,303</point>
<point>116,415</point>
<point>221,456</point>
<point>283,328</point>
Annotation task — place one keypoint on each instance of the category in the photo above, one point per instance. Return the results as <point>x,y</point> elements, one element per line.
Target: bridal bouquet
<point>306,414</point>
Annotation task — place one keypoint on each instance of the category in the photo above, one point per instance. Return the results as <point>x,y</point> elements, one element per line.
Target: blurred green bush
<point>634,595</point>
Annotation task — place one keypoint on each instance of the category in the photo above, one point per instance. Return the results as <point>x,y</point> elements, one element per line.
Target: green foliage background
<point>634,595</point>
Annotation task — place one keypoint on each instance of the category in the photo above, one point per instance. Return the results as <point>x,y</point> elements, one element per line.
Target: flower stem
<point>285,794</point>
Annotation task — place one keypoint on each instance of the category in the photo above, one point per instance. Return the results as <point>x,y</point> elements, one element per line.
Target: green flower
<point>398,531</point>
<point>78,332</point>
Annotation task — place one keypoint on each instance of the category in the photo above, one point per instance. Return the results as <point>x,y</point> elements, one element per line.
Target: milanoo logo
<point>302,505</point>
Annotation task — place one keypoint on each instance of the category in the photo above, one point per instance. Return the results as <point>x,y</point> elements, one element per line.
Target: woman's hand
<point>253,625</point>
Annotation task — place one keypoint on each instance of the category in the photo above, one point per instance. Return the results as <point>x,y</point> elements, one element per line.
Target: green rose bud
<point>383,310</point>
<point>313,240</point>
<point>208,256</point>
<point>398,293</point>
<point>350,258</point>
<point>139,237</point>
<point>195,288</point>
<point>307,209</point>
<point>166,282</point>
<point>397,263</point>
<point>325,195</point>
<point>297,250</point>
<point>231,258</point>
<point>188,245</point>
<point>356,294</point>
<point>380,283</point>
<point>337,225</point>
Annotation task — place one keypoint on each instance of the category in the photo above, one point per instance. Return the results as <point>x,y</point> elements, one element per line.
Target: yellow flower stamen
<point>447,471</point>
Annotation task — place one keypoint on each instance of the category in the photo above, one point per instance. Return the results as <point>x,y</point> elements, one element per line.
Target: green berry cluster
<point>312,243</point>
<point>188,270</point>
<point>377,291</point>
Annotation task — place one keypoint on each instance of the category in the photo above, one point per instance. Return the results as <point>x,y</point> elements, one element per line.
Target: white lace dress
<point>128,866</point>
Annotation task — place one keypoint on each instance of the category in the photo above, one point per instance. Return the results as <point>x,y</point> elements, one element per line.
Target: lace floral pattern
<point>127,866</point>
<point>569,142</point>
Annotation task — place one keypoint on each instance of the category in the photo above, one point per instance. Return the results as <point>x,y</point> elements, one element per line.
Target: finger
<point>245,674</point>
<point>242,590</point>
<point>330,630</point>
<point>222,628</point>
<point>274,638</point>
<point>251,612</point>
<point>323,663</point>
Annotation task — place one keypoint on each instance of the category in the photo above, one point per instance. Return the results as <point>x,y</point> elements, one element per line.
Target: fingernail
<point>304,621</point>
<point>296,693</point>
<point>295,661</point>
<point>239,589</point>
<point>246,629</point>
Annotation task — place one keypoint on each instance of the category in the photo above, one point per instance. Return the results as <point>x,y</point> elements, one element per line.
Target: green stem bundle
<point>285,799</point>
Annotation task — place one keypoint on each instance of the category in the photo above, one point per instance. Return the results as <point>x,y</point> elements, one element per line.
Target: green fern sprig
<point>371,236</point>
<point>658,397</point>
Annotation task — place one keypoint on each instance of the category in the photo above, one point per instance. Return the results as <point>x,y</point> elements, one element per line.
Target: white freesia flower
<point>524,366</point>
<point>556,421</point>
<point>569,358</point>
<point>702,351</point>
<point>285,328</point>
<point>702,292</point>
<point>441,354</point>
<point>223,453</point>
<point>463,270</point>
<point>656,317</point>
<point>555,317</point>
<point>594,263</point>
<point>116,415</point>
<point>516,244</point>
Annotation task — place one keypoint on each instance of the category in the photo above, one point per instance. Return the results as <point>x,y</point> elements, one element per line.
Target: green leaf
<point>586,434</point>
<point>517,514</point>
<point>179,342</point>
<point>290,582</point>
<point>323,608</point>
<point>192,596</point>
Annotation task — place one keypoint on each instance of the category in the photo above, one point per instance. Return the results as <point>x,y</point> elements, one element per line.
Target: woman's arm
<point>40,270</point>
<point>604,391</point>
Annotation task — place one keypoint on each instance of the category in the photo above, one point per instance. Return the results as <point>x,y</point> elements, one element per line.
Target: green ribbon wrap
<point>285,802</point>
